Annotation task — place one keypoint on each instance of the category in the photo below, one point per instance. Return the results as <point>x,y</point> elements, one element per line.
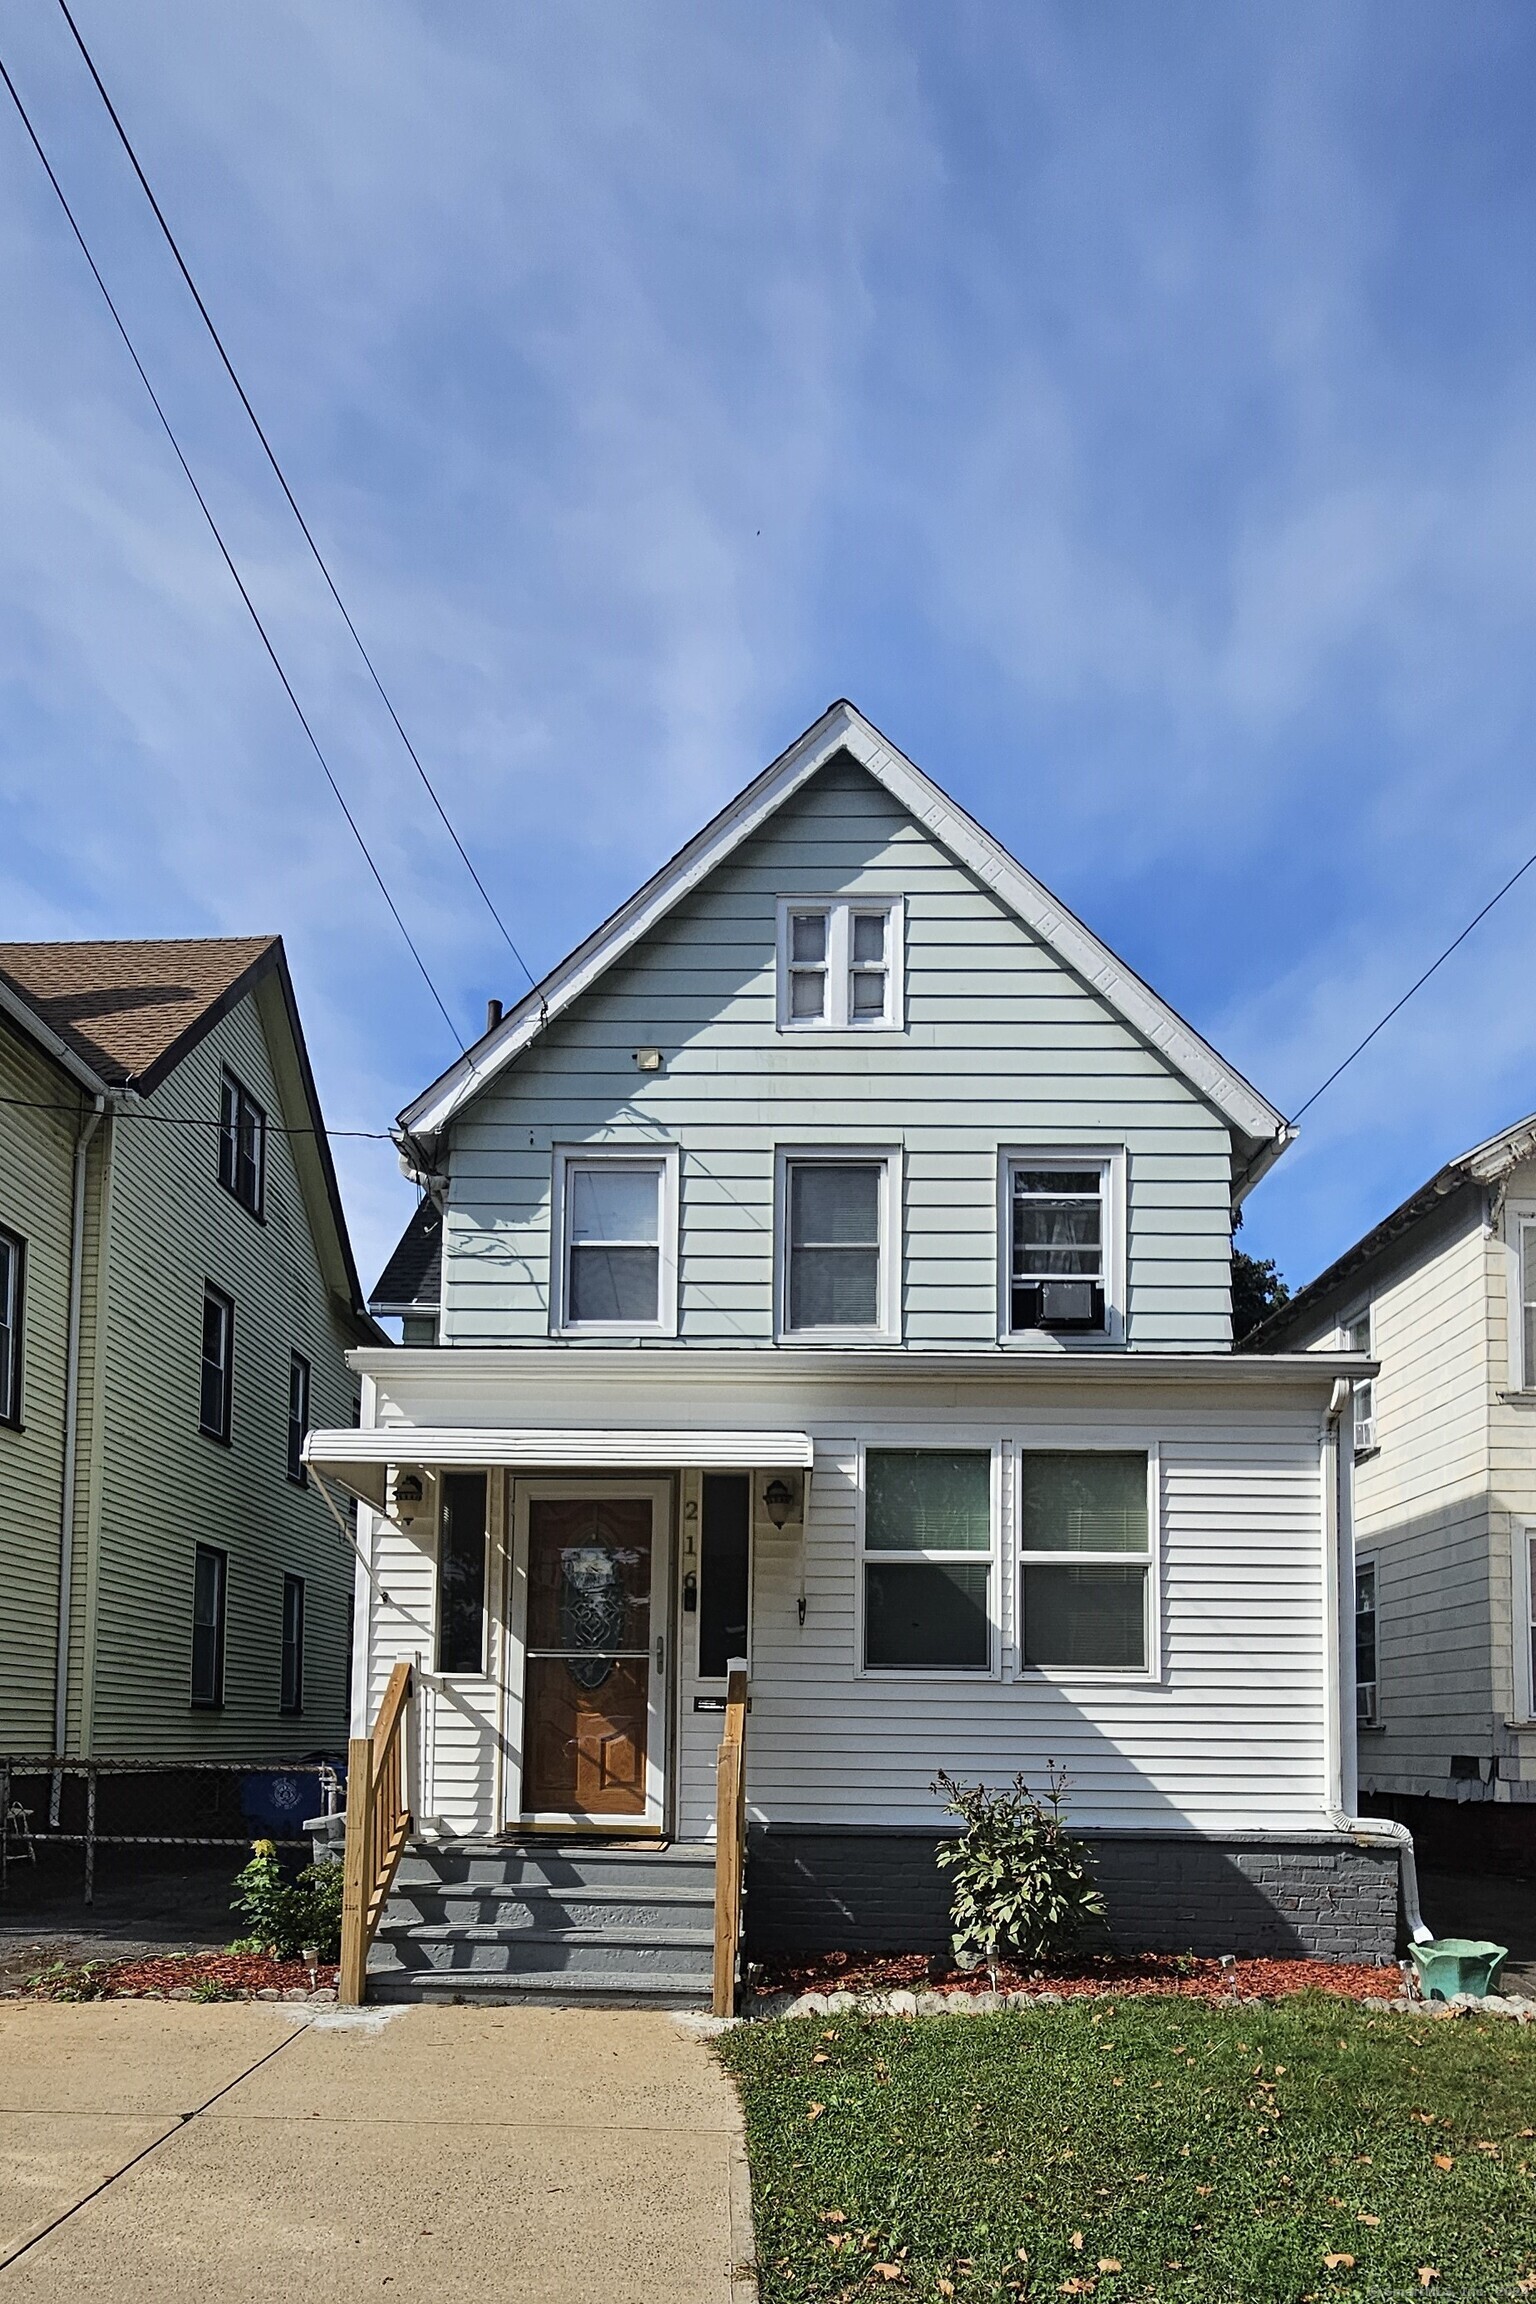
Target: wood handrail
<point>730,1839</point>
<point>378,1825</point>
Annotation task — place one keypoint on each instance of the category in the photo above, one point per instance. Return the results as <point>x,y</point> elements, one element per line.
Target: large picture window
<point>928,1560</point>
<point>1085,1561</point>
<point>839,1225</point>
<point>11,1272</point>
<point>242,1145</point>
<point>210,1572</point>
<point>618,1262</point>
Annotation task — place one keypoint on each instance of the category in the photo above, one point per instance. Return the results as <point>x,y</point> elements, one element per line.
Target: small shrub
<point>283,1916</point>
<point>1022,1885</point>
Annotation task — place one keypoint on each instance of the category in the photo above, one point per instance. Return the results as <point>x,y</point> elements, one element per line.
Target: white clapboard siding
<point>1002,1043</point>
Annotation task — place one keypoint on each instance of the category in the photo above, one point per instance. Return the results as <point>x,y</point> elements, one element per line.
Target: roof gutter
<point>12,1005</point>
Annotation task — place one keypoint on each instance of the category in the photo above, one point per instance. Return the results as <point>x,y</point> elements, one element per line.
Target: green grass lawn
<point>1142,2149</point>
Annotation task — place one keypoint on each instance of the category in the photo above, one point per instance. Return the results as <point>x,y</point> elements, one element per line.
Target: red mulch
<point>1130,1974</point>
<point>236,1974</point>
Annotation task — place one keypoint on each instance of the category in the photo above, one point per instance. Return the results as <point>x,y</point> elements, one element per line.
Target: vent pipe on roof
<point>492,1014</point>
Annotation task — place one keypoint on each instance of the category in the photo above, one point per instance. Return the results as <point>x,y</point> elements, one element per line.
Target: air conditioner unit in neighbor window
<point>1365,1703</point>
<point>1365,1434</point>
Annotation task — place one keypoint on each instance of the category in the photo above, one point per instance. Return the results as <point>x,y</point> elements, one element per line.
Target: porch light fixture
<point>408,1496</point>
<point>777,1500</point>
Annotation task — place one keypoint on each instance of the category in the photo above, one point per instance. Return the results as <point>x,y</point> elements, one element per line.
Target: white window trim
<point>1369,1560</point>
<point>839,962</point>
<point>1112,1162</point>
<point>1524,1600</point>
<point>1518,1218</point>
<point>664,1158</point>
<point>1370,1445</point>
<point>892,1222</point>
<point>1091,1675</point>
<point>955,1441</point>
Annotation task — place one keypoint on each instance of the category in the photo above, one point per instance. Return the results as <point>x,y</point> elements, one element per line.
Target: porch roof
<point>360,1461</point>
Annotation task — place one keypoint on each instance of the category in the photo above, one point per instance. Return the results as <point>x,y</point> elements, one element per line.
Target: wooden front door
<point>591,1561</point>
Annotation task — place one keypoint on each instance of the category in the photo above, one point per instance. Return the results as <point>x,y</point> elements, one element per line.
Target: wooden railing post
<point>730,1837</point>
<point>378,1823</point>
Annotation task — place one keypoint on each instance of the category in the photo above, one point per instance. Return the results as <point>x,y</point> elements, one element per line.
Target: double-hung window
<point>617,1226</point>
<point>840,964</point>
<point>1524,1343</point>
<point>1366,1714</point>
<point>292,1688</point>
<point>840,1267</point>
<point>1357,1338</point>
<point>1059,1243</point>
<point>12,1262</point>
<point>1525,1619</point>
<point>242,1145</point>
<point>210,1574</point>
<point>928,1563</point>
<point>298,1416</point>
<point>218,1363</point>
<point>1085,1570</point>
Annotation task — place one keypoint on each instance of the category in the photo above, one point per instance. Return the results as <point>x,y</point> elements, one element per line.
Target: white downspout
<point>92,1122</point>
<point>1369,1831</point>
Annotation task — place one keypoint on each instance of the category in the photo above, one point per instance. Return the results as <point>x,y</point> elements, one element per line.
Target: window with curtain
<point>1056,1245</point>
<point>1085,1560</point>
<point>928,1560</point>
<point>835,1247</point>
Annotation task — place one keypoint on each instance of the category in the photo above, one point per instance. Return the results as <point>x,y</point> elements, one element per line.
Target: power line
<point>181,1120</point>
<point>227,557</point>
<point>1417,986</point>
<point>282,481</point>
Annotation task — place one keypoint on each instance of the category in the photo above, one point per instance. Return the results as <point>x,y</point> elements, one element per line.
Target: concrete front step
<point>555,1951</point>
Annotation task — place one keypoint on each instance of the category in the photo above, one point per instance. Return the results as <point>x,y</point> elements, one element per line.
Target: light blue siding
<point>1003,1045</point>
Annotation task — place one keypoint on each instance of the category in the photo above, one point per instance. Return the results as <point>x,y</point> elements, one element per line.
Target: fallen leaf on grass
<point>889,2271</point>
<point>1076,2240</point>
<point>1109,2263</point>
<point>1205,2190</point>
<point>1078,2286</point>
<point>1427,2275</point>
<point>821,2057</point>
<point>1364,2219</point>
<point>1444,2160</point>
<point>1491,2149</point>
<point>834,2215</point>
<point>946,2287</point>
<point>1527,2284</point>
<point>815,2112</point>
<point>1336,2257</point>
<point>1425,2119</point>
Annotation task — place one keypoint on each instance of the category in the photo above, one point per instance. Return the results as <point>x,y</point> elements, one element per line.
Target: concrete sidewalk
<point>154,2150</point>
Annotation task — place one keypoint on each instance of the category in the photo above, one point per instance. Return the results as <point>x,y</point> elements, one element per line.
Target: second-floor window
<point>840,1275</point>
<point>840,964</point>
<point>1365,1644</point>
<point>12,1257</point>
<point>1357,1338</point>
<point>242,1145</point>
<point>1058,1246</point>
<point>298,1416</point>
<point>617,1218</point>
<point>218,1363</point>
<point>291,1696</point>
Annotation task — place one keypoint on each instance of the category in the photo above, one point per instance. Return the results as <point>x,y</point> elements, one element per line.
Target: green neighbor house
<point>177,1300</point>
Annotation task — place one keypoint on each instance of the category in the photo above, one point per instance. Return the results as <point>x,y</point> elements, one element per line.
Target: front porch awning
<point>360,1461</point>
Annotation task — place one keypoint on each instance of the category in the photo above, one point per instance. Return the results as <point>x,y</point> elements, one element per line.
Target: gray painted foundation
<point>822,1888</point>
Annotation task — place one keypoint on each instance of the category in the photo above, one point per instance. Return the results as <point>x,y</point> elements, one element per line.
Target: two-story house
<point>177,1300</point>
<point>828,1266</point>
<point>1442,1293</point>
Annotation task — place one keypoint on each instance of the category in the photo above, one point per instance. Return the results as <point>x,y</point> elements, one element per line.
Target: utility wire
<point>1417,986</point>
<point>226,555</point>
<point>185,1120</point>
<point>282,481</point>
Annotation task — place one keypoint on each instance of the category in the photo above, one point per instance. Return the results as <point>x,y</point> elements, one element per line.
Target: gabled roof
<point>119,1016</point>
<point>131,1011</point>
<point>412,1280</point>
<point>1487,1163</point>
<point>1263,1132</point>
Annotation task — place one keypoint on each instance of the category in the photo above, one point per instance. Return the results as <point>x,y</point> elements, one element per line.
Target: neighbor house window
<point>840,964</point>
<point>724,1541</point>
<point>242,1145</point>
<point>1525,1625</point>
<point>298,1415</point>
<point>1527,1280</point>
<point>618,1257</point>
<point>1357,1338</point>
<point>841,1271</point>
<point>1057,1220</point>
<point>12,1257</point>
<point>293,1644</point>
<point>218,1362</point>
<point>461,1573</point>
<point>928,1560</point>
<point>1086,1560</point>
<point>1365,1643</point>
<point>209,1576</point>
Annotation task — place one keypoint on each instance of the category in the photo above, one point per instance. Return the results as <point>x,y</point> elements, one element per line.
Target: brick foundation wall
<point>823,1888</point>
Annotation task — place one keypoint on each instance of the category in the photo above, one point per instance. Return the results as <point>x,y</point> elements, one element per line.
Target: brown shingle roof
<point>132,1010</point>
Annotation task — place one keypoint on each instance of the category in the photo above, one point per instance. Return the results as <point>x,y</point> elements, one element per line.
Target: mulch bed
<point>226,1975</point>
<point>1141,1973</point>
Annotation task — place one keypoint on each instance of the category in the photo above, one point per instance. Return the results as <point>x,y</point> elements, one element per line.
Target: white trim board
<point>842,728</point>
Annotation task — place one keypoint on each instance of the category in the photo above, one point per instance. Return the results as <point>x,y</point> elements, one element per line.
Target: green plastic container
<point>1452,1964</point>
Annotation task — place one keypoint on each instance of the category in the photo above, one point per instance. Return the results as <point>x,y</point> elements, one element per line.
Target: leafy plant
<point>283,1916</point>
<point>1023,1886</point>
<point>67,1980</point>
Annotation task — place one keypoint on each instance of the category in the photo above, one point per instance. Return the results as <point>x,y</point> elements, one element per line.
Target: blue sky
<point>1132,408</point>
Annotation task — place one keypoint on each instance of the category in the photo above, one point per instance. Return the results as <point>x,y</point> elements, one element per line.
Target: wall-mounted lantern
<point>409,1496</point>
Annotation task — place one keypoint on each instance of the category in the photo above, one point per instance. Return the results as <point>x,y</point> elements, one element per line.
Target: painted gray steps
<point>556,1951</point>
<point>515,1865</point>
<point>545,1988</point>
<point>622,1911</point>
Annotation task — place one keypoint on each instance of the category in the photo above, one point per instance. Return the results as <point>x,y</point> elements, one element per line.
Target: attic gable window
<point>242,1145</point>
<point>840,964</point>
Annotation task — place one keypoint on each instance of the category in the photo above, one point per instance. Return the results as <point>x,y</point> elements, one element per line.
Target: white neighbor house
<point>1442,1293</point>
<point>833,1270</point>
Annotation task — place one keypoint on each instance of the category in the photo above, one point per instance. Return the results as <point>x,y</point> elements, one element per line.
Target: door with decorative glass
<point>590,1645</point>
